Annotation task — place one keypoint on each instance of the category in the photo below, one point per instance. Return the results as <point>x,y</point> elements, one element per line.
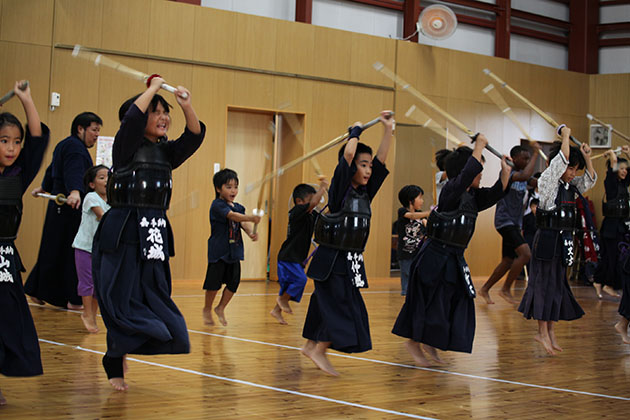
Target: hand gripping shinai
<point>617,132</point>
<point>10,93</point>
<point>102,60</point>
<point>617,151</point>
<point>59,199</point>
<point>534,108</point>
<point>307,156</point>
<point>497,98</point>
<point>378,66</point>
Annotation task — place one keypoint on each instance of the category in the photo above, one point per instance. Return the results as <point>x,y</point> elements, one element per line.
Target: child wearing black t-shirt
<point>411,229</point>
<point>294,250</point>
<point>225,245</point>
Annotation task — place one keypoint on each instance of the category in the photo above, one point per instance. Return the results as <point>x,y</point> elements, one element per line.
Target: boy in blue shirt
<point>294,250</point>
<point>225,245</point>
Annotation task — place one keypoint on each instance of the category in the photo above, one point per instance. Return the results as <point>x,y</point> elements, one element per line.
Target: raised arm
<point>323,186</point>
<point>144,100</point>
<point>528,170</point>
<point>183,98</point>
<point>387,119</point>
<point>34,123</point>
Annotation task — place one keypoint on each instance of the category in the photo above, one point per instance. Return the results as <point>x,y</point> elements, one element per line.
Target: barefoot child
<point>134,241</point>
<point>548,297</point>
<point>336,316</point>
<point>411,229</point>
<point>508,221</point>
<point>20,160</point>
<point>225,245</point>
<point>439,310</point>
<point>294,250</point>
<point>94,207</point>
<point>614,229</point>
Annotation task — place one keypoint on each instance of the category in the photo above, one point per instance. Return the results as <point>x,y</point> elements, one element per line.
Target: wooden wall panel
<point>427,69</point>
<point>611,96</point>
<point>168,35</point>
<point>328,61</point>
<point>27,22</point>
<point>125,25</point>
<point>466,77</point>
<point>255,42</point>
<point>78,22</point>
<point>364,52</point>
<point>295,44</point>
<point>214,37</point>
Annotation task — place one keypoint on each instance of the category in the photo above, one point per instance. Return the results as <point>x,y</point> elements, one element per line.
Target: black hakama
<point>438,310</point>
<point>548,296</point>
<point>134,294</point>
<point>608,272</point>
<point>337,313</point>
<point>624,305</point>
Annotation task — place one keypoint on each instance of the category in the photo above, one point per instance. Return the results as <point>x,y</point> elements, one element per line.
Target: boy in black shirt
<point>294,250</point>
<point>411,229</point>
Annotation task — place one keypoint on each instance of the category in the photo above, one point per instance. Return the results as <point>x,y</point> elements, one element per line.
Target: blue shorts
<point>292,279</point>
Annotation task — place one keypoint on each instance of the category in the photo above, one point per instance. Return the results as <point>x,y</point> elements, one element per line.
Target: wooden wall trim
<point>232,67</point>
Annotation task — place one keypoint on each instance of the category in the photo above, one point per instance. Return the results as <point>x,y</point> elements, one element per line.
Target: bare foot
<point>413,347</point>
<point>207,316</point>
<point>486,296</point>
<point>277,313</point>
<point>221,314</point>
<point>320,360</point>
<point>284,305</point>
<point>554,342</point>
<point>119,384</point>
<point>546,343</point>
<point>598,290</point>
<point>612,292</point>
<point>89,323</point>
<point>508,297</point>
<point>433,354</point>
<point>37,301</point>
<point>3,401</point>
<point>74,307</point>
<point>622,329</point>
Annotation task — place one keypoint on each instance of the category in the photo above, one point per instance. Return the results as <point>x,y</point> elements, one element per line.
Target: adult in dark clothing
<point>614,228</point>
<point>54,277</point>
<point>19,163</point>
<point>439,309</point>
<point>337,316</point>
<point>132,246</point>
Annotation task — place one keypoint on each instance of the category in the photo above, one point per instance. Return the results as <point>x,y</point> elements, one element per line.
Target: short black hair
<point>440,155</point>
<point>408,193</point>
<point>575,156</point>
<point>455,161</point>
<point>301,191</point>
<point>534,201</point>
<point>84,119</point>
<point>517,150</point>
<point>157,99</point>
<point>222,177</point>
<point>90,174</point>
<point>6,118</point>
<point>619,161</point>
<point>361,148</point>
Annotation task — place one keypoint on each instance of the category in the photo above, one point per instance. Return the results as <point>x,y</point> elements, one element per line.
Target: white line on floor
<point>253,384</point>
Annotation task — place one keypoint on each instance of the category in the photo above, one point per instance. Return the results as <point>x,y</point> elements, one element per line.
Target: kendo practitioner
<point>54,276</point>
<point>439,310</point>
<point>337,316</point>
<point>20,160</point>
<point>616,210</point>
<point>132,246</point>
<point>548,297</point>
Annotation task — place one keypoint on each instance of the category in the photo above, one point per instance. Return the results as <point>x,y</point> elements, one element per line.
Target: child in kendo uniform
<point>336,316</point>
<point>20,160</point>
<point>548,297</point>
<point>439,309</point>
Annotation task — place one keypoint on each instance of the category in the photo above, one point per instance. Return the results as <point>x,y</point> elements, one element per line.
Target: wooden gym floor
<point>252,369</point>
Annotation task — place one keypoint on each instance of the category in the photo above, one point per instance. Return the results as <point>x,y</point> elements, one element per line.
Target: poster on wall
<point>600,136</point>
<point>104,151</point>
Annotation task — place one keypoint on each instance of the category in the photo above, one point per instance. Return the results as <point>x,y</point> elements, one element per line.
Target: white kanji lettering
<point>156,252</point>
<point>4,263</point>
<point>161,222</point>
<point>155,236</point>
<point>144,222</point>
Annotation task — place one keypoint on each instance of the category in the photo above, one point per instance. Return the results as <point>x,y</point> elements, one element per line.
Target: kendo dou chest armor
<point>564,216</point>
<point>618,207</point>
<point>455,227</point>
<point>348,229</point>
<point>10,207</point>
<point>146,182</point>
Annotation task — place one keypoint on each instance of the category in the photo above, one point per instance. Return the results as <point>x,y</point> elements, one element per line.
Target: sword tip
<point>378,65</point>
<point>486,71</point>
